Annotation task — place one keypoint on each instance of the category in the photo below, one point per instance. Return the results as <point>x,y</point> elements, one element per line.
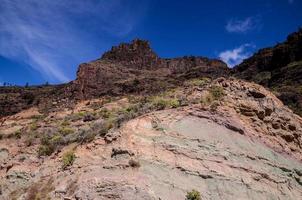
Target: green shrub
<point>174,103</point>
<point>198,82</point>
<point>33,126</point>
<point>74,117</point>
<point>65,123</point>
<point>68,159</point>
<point>217,92</point>
<point>106,126</point>
<point>160,103</point>
<point>46,150</point>
<point>105,113</point>
<point>56,140</point>
<point>86,135</point>
<point>66,130</point>
<point>193,195</point>
<point>207,99</point>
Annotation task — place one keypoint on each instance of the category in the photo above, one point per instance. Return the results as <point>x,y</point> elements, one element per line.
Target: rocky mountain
<point>136,126</point>
<point>130,68</point>
<point>278,68</point>
<point>135,68</point>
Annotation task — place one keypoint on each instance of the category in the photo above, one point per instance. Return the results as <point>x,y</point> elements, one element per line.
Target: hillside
<point>225,138</point>
<point>136,126</point>
<point>278,68</point>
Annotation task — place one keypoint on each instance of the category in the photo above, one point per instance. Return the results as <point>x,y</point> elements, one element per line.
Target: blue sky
<point>45,41</point>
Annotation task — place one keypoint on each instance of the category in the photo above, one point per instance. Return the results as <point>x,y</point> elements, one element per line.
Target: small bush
<point>33,126</point>
<point>216,92</point>
<point>65,123</point>
<point>207,100</point>
<point>30,139</point>
<point>68,159</point>
<point>193,195</point>
<point>40,190</point>
<point>161,103</point>
<point>46,150</point>
<point>105,113</point>
<point>74,117</point>
<point>174,103</point>
<point>66,130</point>
<point>85,135</point>
<point>56,140</point>
<point>197,82</point>
<point>106,126</point>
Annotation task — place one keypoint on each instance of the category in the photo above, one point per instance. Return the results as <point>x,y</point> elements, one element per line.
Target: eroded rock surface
<point>246,145</point>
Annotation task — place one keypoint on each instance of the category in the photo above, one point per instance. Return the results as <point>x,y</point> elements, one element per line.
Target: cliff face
<point>278,68</point>
<point>135,68</point>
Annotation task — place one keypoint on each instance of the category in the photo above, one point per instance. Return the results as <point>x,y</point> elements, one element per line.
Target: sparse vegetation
<point>68,158</point>
<point>207,99</point>
<point>40,190</point>
<point>66,130</point>
<point>216,92</point>
<point>160,102</point>
<point>198,82</point>
<point>34,126</point>
<point>45,150</point>
<point>193,195</point>
<point>104,118</point>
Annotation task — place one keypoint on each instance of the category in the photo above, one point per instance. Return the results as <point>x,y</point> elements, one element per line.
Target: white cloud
<point>242,26</point>
<point>54,35</point>
<point>236,56</point>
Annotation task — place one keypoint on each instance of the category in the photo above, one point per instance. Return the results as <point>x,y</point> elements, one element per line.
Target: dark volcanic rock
<point>278,68</point>
<point>135,68</point>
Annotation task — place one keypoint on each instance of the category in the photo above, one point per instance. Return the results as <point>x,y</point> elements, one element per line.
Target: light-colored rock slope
<point>232,152</point>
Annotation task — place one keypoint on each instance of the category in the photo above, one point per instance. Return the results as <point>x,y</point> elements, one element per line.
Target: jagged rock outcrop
<point>135,68</point>
<point>278,68</point>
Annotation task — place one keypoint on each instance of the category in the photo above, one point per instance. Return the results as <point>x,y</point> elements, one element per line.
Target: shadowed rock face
<point>135,68</point>
<point>278,68</point>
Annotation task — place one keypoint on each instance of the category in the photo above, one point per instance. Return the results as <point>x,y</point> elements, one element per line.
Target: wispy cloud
<point>242,25</point>
<point>235,56</point>
<point>52,35</point>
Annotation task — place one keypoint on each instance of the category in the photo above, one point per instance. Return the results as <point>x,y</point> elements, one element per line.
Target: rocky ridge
<point>278,68</point>
<point>135,68</point>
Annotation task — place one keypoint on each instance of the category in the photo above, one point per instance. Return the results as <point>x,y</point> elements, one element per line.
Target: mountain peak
<point>138,53</point>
